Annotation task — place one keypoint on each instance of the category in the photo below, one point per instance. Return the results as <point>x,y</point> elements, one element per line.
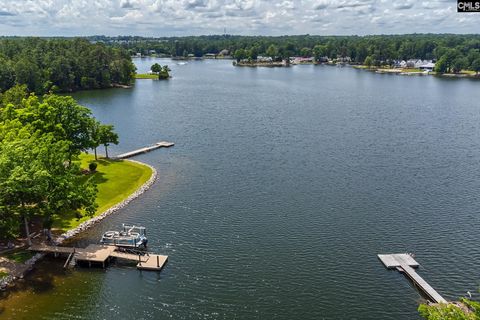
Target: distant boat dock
<point>405,263</point>
<point>161,144</point>
<point>102,254</point>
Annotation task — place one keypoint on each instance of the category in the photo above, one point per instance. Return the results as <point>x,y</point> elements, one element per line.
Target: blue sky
<point>246,17</point>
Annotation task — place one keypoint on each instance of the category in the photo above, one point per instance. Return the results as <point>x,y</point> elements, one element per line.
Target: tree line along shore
<point>451,52</point>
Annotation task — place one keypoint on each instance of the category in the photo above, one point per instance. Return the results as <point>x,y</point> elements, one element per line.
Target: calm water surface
<point>281,189</point>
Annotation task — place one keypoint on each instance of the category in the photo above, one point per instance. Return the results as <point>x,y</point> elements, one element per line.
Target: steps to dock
<point>161,144</point>
<point>405,263</point>
<point>101,254</point>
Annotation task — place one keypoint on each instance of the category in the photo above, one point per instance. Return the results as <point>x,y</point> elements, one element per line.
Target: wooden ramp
<point>95,253</point>
<point>405,263</point>
<point>161,144</point>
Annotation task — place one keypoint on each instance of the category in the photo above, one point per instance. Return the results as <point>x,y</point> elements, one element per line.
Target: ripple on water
<point>282,188</point>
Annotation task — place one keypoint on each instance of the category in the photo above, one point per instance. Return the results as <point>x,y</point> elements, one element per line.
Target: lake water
<point>283,186</point>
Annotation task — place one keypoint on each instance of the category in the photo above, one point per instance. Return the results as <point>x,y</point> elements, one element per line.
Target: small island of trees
<point>162,72</point>
<point>157,72</point>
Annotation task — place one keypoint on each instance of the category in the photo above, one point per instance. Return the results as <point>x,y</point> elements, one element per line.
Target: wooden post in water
<point>158,262</point>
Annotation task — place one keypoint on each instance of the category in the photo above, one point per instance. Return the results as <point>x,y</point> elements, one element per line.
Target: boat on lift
<point>131,236</point>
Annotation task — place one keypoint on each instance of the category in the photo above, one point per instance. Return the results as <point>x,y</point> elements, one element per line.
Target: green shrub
<point>92,166</point>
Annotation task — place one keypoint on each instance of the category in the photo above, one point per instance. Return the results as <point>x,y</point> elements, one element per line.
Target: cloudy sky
<point>246,17</point>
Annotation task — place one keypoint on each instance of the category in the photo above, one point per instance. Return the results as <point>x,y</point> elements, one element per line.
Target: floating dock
<point>101,254</point>
<point>405,263</point>
<point>161,144</point>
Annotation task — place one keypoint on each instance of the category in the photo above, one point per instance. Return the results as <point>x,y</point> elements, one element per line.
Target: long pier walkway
<point>405,263</point>
<point>102,254</point>
<point>161,144</point>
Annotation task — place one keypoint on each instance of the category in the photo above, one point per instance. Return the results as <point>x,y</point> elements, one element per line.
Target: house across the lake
<point>427,67</point>
<point>210,55</point>
<point>300,60</point>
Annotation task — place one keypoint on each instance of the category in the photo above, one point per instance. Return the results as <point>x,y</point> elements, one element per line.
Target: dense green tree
<point>7,74</point>
<point>369,61</point>
<point>470,310</point>
<point>122,71</point>
<point>60,74</point>
<point>63,117</point>
<point>107,136</point>
<point>306,52</point>
<point>459,63</point>
<point>252,53</point>
<point>272,51</point>
<point>164,73</point>
<point>39,138</point>
<point>320,51</point>
<point>475,66</point>
<point>28,73</point>
<point>34,180</point>
<point>240,54</point>
<point>156,68</point>
<point>62,64</point>
<point>13,96</point>
<point>442,65</point>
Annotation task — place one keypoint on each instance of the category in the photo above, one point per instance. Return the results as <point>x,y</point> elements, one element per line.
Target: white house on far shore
<point>427,66</point>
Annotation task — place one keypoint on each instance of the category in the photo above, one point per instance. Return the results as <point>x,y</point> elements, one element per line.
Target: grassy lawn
<point>115,179</point>
<point>146,76</point>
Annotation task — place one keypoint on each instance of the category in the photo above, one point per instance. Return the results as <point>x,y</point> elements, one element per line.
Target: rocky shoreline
<point>28,265</point>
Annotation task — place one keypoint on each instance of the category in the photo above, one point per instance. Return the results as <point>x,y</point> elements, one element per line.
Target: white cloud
<point>185,17</point>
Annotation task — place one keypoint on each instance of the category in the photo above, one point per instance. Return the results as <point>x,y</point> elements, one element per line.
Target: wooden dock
<point>405,263</point>
<point>161,144</point>
<point>101,254</point>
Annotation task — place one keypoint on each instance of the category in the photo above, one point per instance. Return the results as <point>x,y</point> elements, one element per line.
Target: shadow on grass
<point>65,222</point>
<point>107,162</point>
<point>97,178</point>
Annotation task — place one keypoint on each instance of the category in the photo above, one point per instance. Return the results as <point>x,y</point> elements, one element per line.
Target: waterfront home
<point>322,59</point>
<point>344,59</point>
<point>264,59</point>
<point>400,64</point>
<point>411,63</point>
<point>224,52</point>
<point>417,63</point>
<point>300,60</point>
<point>429,66</point>
<point>210,55</point>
